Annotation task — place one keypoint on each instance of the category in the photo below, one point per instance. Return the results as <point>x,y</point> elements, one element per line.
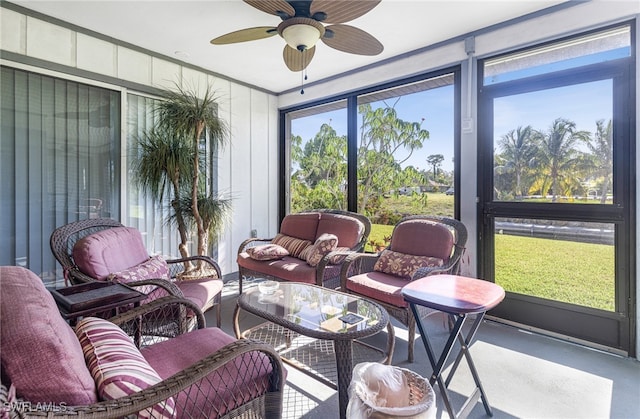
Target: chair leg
<point>219,315</point>
<point>412,336</point>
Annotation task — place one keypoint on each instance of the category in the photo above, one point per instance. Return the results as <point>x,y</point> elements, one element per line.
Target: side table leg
<point>438,365</point>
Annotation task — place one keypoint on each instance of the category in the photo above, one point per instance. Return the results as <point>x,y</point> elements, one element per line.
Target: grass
<point>571,272</point>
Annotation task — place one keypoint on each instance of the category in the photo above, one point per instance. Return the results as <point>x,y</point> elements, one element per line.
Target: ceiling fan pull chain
<point>303,74</point>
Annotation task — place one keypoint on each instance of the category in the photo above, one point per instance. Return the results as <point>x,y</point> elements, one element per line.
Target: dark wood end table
<point>458,296</point>
<point>93,297</point>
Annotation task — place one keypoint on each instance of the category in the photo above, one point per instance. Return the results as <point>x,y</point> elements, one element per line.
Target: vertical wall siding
<point>251,115</point>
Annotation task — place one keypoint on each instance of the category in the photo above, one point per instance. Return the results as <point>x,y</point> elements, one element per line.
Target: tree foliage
<point>558,161</point>
<point>170,161</point>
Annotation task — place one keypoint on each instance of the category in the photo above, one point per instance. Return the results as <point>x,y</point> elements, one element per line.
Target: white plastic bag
<point>384,391</point>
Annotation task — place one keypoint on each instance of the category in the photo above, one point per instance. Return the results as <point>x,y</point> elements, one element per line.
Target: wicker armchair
<point>351,229</point>
<point>420,246</point>
<point>205,293</point>
<point>201,373</point>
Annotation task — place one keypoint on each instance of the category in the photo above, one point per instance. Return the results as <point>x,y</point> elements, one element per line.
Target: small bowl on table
<point>268,287</point>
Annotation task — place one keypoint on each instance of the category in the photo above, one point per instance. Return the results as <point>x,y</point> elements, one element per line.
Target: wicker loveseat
<point>104,249</point>
<point>306,259</point>
<point>98,371</point>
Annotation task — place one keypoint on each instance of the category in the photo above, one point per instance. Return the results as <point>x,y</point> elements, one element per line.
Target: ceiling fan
<point>303,25</point>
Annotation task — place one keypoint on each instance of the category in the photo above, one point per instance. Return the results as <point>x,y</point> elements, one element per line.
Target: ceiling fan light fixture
<point>301,33</point>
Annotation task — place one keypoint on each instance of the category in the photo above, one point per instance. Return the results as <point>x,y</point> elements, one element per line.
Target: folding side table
<point>458,296</point>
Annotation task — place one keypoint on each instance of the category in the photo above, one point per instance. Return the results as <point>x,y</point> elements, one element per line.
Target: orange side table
<point>459,297</point>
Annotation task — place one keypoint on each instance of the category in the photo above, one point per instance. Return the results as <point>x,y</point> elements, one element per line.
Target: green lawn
<point>577,273</point>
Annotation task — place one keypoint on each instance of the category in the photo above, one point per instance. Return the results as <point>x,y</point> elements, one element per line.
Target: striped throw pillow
<point>117,366</point>
<point>294,245</point>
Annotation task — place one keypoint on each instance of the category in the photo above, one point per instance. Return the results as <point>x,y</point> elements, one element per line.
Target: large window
<point>59,162</point>
<point>385,153</point>
<point>557,185</point>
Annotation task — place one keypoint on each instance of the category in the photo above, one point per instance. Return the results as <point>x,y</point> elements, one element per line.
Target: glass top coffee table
<point>315,329</point>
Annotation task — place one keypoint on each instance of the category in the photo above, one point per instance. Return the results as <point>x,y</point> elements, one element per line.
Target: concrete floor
<point>525,375</point>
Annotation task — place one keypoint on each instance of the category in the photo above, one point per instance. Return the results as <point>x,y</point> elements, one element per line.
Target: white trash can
<point>384,391</point>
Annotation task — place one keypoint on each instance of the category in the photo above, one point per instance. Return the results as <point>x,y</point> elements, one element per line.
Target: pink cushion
<point>111,250</point>
<point>303,226</point>
<point>267,252</point>
<point>423,238</point>
<point>117,366</point>
<point>348,229</point>
<point>39,350</point>
<point>323,245</point>
<point>293,245</point>
<point>402,264</point>
<point>379,286</point>
<point>153,268</point>
<point>236,383</point>
<point>288,268</point>
<point>200,291</point>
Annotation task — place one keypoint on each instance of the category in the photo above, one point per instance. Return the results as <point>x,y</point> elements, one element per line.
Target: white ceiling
<point>182,30</point>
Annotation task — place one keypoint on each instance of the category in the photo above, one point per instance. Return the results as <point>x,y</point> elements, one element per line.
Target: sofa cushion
<point>111,250</point>
<point>323,246</point>
<point>302,226</point>
<point>409,237</point>
<point>267,252</point>
<point>153,268</point>
<point>225,389</point>
<point>402,264</point>
<point>349,230</point>
<point>293,245</point>
<point>39,350</point>
<point>117,366</point>
<point>288,268</point>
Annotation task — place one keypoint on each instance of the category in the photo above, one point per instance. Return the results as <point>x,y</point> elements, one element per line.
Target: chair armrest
<point>355,264</point>
<point>448,268</point>
<point>176,269</point>
<point>165,317</point>
<point>168,286</point>
<point>197,374</point>
<point>323,274</point>
<point>252,242</point>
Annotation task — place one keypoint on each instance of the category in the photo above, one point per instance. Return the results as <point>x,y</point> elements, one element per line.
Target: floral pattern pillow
<point>267,252</point>
<point>404,264</point>
<point>154,268</point>
<point>323,245</point>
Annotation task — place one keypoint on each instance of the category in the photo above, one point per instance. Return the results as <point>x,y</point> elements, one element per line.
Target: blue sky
<point>583,104</point>
<point>435,106</point>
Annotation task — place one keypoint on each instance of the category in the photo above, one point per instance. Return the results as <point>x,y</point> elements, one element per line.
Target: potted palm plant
<point>170,164</point>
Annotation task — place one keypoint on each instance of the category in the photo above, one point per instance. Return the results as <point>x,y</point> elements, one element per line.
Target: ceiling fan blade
<point>352,40</point>
<point>297,60</point>
<point>243,35</point>
<point>273,7</point>
<point>340,11</point>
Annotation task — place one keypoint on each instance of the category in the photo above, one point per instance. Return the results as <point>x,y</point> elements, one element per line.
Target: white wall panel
<point>96,55</point>
<point>13,28</point>
<point>164,74</point>
<point>226,250</point>
<point>194,81</point>
<point>134,66</point>
<point>50,42</point>
<point>240,162</point>
<point>259,164</point>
